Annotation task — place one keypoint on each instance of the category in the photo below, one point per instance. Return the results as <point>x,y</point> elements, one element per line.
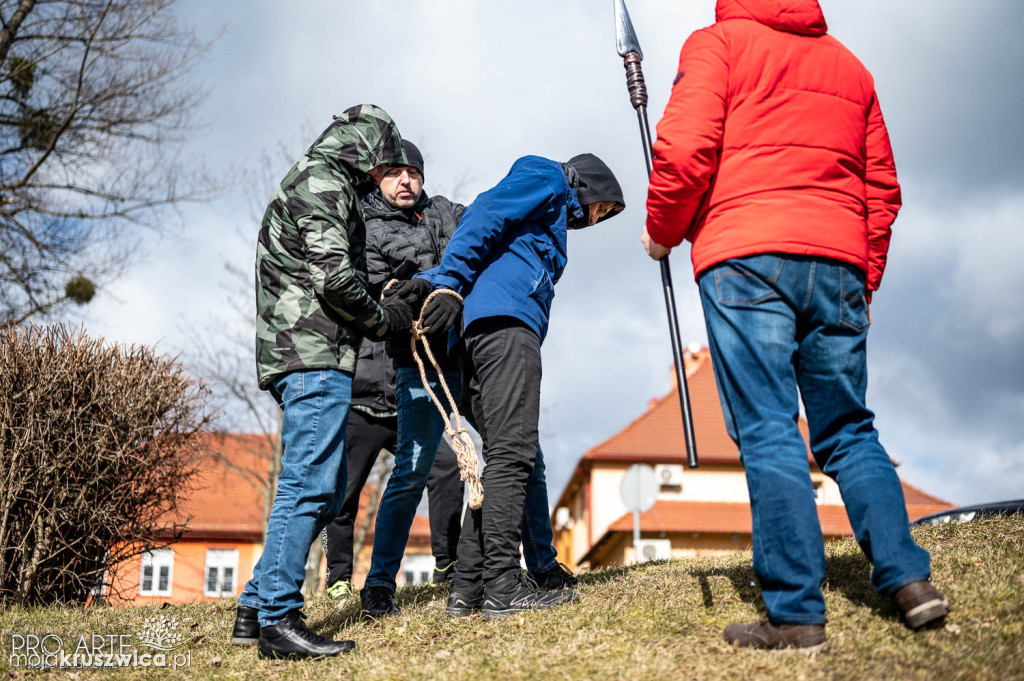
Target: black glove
<point>412,292</point>
<point>441,313</point>
<point>399,316</point>
<point>406,270</point>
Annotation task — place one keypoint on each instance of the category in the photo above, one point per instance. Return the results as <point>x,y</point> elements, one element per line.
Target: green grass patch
<point>657,621</point>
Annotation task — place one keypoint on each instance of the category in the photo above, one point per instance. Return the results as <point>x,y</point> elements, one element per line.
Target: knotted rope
<point>462,443</point>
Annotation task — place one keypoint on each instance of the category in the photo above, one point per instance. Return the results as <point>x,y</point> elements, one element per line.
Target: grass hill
<point>657,621</point>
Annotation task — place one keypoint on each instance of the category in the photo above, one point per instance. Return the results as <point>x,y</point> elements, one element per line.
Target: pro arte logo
<point>154,646</point>
<point>160,633</point>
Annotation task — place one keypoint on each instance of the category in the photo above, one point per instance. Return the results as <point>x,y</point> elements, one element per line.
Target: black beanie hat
<point>415,158</point>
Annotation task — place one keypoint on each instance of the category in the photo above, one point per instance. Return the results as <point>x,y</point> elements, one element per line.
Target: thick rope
<point>462,443</point>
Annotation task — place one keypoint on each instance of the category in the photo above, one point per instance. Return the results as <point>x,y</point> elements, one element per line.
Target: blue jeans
<point>537,536</point>
<point>310,487</point>
<point>419,433</point>
<point>776,324</point>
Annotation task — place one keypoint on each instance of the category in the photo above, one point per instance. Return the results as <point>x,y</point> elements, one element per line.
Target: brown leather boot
<point>768,636</point>
<point>921,604</point>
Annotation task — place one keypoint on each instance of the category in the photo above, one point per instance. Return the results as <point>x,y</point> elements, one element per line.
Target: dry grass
<point>658,621</point>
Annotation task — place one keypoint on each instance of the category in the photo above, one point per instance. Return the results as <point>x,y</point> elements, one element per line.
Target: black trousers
<point>365,438</point>
<point>503,372</point>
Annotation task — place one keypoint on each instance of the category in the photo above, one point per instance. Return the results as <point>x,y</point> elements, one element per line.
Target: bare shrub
<point>97,448</point>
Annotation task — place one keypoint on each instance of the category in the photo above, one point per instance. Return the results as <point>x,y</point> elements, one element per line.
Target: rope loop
<point>462,443</point>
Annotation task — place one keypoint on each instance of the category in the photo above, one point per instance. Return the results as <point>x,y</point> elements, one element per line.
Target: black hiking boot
<point>558,576</point>
<point>378,601</point>
<point>247,627</point>
<point>515,591</point>
<point>921,604</point>
<point>766,635</point>
<point>465,599</point>
<point>289,639</point>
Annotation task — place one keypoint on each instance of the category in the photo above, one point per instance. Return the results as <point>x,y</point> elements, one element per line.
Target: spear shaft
<point>632,56</point>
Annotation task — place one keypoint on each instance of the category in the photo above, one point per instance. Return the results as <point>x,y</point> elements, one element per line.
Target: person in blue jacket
<point>504,261</point>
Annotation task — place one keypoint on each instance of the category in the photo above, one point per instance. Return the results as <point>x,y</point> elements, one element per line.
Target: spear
<point>629,49</point>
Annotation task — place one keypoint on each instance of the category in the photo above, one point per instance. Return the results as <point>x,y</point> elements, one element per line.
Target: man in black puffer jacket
<point>406,232</point>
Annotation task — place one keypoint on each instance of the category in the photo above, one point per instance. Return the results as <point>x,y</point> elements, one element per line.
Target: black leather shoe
<point>247,627</point>
<point>515,591</point>
<point>378,601</point>
<point>465,599</point>
<point>290,639</point>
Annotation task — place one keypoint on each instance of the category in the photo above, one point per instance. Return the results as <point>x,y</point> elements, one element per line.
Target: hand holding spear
<point>629,49</point>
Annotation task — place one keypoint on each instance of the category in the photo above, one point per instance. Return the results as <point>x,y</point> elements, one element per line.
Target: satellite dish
<point>639,488</point>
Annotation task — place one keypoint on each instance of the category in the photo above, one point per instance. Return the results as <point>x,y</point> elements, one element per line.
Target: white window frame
<point>157,559</point>
<point>220,560</point>
<point>418,565</point>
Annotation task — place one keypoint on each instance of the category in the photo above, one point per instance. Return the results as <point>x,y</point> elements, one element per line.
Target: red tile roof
<point>657,435</point>
<point>734,518</point>
<point>226,498</point>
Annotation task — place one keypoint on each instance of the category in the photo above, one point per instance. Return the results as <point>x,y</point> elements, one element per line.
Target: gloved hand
<point>406,270</point>
<point>441,313</point>
<point>412,292</point>
<point>399,316</point>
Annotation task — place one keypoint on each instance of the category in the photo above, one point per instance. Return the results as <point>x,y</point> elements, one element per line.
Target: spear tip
<point>625,37</point>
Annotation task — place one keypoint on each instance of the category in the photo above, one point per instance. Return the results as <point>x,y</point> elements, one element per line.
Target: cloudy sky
<point>478,84</point>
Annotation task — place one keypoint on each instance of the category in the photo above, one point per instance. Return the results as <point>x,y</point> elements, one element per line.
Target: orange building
<point>223,539</point>
<point>223,513</point>
<point>697,511</point>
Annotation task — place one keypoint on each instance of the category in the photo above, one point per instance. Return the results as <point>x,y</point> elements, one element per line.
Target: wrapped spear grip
<point>635,80</point>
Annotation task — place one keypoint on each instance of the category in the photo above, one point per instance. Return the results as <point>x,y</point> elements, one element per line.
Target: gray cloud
<point>948,77</point>
<point>479,84</point>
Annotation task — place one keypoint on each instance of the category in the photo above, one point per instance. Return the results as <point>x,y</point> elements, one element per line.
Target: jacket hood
<point>594,182</point>
<point>376,207</point>
<point>357,141</point>
<point>794,16</point>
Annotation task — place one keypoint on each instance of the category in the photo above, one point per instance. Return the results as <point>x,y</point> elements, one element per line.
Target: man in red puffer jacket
<point>772,158</point>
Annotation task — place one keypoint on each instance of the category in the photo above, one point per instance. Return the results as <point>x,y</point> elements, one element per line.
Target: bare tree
<point>94,109</point>
<point>223,353</point>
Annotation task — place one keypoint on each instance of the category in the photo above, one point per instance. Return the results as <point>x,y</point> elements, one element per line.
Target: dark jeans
<point>367,436</point>
<point>778,324</point>
<point>503,379</point>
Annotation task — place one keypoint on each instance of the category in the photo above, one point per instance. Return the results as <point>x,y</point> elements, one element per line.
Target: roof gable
<point>657,435</point>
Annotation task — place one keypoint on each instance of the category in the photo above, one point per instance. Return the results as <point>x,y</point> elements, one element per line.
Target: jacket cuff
<point>660,237</point>
<point>445,281</point>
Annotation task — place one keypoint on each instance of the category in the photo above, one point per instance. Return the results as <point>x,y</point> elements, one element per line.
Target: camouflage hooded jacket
<point>313,309</point>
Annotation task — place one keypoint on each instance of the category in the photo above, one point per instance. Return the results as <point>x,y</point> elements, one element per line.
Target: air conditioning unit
<point>669,474</point>
<point>563,520</point>
<point>653,549</point>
